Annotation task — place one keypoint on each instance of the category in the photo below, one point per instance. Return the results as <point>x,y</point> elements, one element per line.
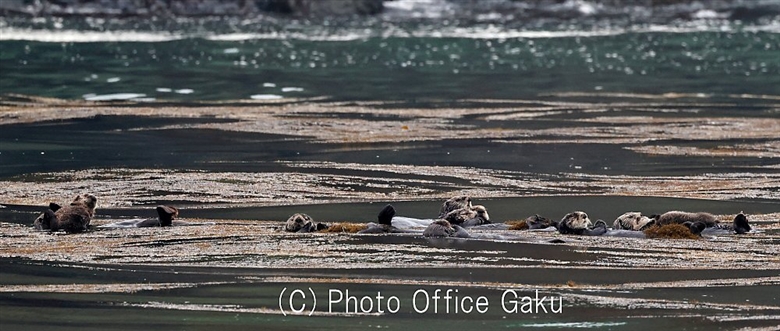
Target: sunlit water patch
<point>374,60</point>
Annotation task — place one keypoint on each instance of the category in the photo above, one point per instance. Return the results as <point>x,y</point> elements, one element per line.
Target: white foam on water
<point>343,36</point>
<point>113,80</point>
<point>185,91</point>
<point>230,51</point>
<point>706,24</point>
<point>74,36</point>
<point>164,90</point>
<point>114,96</point>
<point>269,85</point>
<point>292,89</point>
<point>574,325</point>
<point>266,97</point>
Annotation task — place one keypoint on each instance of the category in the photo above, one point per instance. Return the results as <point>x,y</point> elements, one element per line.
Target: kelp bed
<point>340,161</point>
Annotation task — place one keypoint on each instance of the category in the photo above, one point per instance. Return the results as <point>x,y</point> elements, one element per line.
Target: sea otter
<point>473,216</point>
<point>166,216</point>
<point>536,222</point>
<point>303,223</point>
<point>680,217</point>
<point>632,221</point>
<point>73,218</point>
<point>442,228</point>
<point>704,222</point>
<point>578,223</point>
<point>454,203</point>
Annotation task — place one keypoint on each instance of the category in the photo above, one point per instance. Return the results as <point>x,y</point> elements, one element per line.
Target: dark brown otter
<point>699,222</point>
<point>535,222</point>
<point>680,217</point>
<point>442,228</point>
<point>73,218</point>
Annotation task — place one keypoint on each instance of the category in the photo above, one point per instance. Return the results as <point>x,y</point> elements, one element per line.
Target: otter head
<point>462,201</point>
<point>167,214</point>
<point>632,221</point>
<point>439,228</point>
<point>539,222</point>
<point>741,224</point>
<point>455,203</point>
<point>86,200</point>
<point>695,227</point>
<point>481,212</point>
<point>467,202</point>
<point>296,222</point>
<point>44,221</point>
<point>577,220</point>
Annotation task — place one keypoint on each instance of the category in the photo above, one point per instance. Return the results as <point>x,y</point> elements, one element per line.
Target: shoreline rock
<point>191,8</point>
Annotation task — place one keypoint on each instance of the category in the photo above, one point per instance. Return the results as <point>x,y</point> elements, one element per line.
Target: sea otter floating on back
<point>166,216</point>
<point>632,221</point>
<point>73,218</point>
<point>579,223</point>
<point>300,222</point>
<point>442,228</point>
<point>468,216</point>
<point>700,222</point>
<point>695,222</point>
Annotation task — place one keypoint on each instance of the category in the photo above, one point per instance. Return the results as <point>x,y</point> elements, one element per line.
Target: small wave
<point>266,97</point>
<point>574,325</point>
<point>114,96</point>
<point>473,32</point>
<point>75,36</point>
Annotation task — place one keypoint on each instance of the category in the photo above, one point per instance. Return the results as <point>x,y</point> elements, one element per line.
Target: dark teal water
<point>376,60</point>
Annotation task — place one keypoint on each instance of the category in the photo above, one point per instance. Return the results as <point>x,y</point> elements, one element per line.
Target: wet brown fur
<point>682,217</point>
<point>517,225</point>
<point>73,218</point>
<point>670,231</point>
<point>345,227</point>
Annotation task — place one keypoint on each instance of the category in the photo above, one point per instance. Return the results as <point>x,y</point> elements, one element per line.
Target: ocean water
<point>397,56</point>
<point>701,63</point>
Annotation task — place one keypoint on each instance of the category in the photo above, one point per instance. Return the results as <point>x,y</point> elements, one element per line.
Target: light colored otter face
<point>578,220</point>
<point>632,221</point>
<point>297,222</point>
<point>482,212</point>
